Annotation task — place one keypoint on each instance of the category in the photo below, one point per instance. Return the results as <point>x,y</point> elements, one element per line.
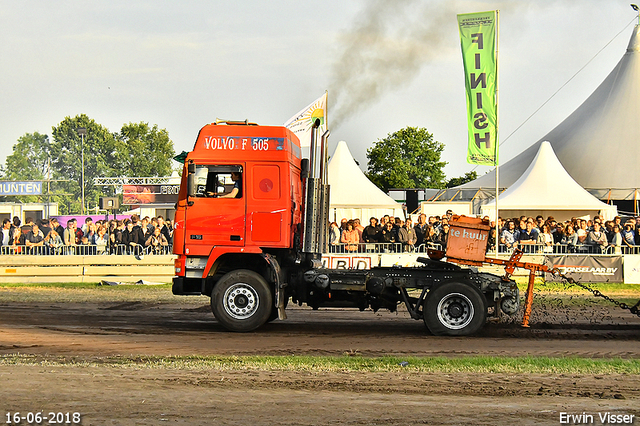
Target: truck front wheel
<point>454,309</point>
<point>241,301</point>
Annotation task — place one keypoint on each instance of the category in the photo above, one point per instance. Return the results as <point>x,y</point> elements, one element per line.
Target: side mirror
<point>191,180</point>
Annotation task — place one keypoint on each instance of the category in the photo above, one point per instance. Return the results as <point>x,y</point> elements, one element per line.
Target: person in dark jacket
<point>370,232</point>
<point>130,238</point>
<point>115,237</point>
<point>164,229</point>
<point>55,225</point>
<point>145,230</point>
<point>420,229</point>
<point>387,236</point>
<point>443,237</point>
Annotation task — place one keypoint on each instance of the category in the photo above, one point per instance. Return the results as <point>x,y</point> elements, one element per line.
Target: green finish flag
<point>478,35</point>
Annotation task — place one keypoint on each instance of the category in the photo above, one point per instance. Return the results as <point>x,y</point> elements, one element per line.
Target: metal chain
<point>635,309</point>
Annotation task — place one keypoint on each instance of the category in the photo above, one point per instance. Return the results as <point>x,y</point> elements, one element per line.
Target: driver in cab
<point>236,192</point>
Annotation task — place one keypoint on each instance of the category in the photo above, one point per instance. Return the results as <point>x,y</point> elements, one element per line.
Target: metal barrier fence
<point>566,249</point>
<point>90,250</point>
<point>526,248</point>
<point>382,248</point>
<point>86,250</point>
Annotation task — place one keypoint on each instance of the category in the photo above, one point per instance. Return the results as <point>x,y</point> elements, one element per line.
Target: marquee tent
<point>546,189</point>
<point>597,144</point>
<point>352,194</point>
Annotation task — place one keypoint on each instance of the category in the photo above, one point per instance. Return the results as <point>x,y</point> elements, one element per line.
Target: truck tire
<point>454,309</point>
<point>241,301</point>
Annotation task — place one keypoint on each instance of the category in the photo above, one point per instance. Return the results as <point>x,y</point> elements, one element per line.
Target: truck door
<point>217,215</point>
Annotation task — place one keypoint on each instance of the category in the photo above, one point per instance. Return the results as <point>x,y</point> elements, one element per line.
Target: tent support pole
<point>438,196</point>
<point>497,128</point>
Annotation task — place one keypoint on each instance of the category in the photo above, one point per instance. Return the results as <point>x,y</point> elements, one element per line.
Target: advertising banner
<point>631,269</point>
<point>149,194</point>
<point>20,188</point>
<point>301,123</point>
<point>478,36</point>
<point>587,269</point>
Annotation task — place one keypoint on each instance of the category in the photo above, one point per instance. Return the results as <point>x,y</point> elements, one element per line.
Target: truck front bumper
<point>187,286</point>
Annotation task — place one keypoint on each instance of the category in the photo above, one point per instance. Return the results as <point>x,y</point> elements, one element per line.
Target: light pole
<point>82,131</point>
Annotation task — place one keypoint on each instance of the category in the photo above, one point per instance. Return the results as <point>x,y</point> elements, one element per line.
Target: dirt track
<point>109,395</point>
<point>142,328</point>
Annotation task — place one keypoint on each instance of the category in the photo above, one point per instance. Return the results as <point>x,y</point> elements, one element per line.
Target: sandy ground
<point>105,394</point>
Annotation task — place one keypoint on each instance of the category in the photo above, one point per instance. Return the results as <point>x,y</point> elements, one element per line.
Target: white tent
<point>546,189</point>
<point>352,194</point>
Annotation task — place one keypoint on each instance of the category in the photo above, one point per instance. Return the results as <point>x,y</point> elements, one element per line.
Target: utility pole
<point>82,131</point>
<point>48,187</point>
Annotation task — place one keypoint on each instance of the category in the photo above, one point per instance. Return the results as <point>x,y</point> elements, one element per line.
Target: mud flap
<point>279,298</point>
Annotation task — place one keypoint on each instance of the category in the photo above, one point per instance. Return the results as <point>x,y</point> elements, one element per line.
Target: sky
<point>386,65</point>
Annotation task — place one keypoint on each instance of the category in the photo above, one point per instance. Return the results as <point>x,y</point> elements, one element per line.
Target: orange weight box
<point>467,242</point>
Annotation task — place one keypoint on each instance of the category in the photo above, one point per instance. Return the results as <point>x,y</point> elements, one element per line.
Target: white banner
<point>631,268</point>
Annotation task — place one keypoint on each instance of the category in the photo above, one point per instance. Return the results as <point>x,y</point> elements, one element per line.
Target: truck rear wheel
<point>454,309</point>
<point>241,301</point>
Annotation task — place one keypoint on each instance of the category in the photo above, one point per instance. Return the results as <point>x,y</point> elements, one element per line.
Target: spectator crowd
<point>391,234</point>
<point>47,236</point>
<point>388,234</point>
<point>577,235</point>
<point>531,235</point>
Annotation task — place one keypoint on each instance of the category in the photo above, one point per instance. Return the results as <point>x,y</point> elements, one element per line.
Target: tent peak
<point>350,188</point>
<point>634,43</point>
<point>546,188</point>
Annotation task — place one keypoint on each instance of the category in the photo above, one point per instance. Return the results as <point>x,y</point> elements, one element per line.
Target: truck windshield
<point>218,181</point>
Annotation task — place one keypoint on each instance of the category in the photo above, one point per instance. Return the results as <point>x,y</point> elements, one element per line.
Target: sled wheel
<point>455,309</point>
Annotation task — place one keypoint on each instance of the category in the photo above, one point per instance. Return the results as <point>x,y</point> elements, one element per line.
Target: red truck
<point>250,230</point>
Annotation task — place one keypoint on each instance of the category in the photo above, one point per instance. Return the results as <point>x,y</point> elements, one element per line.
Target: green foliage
<point>144,150</point>
<point>28,162</point>
<point>29,158</point>
<point>408,158</point>
<point>468,177</point>
<point>67,152</point>
<point>350,364</point>
<point>137,150</point>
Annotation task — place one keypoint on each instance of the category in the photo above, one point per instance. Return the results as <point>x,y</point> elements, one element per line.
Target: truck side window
<point>218,181</point>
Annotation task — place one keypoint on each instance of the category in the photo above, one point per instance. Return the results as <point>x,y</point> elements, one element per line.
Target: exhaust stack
<point>317,195</point>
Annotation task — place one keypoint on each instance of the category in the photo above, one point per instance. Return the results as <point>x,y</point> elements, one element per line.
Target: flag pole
<point>497,129</point>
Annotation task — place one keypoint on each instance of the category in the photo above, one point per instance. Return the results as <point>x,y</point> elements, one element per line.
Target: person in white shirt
<point>7,233</point>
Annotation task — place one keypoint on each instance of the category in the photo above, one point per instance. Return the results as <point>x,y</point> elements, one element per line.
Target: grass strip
<point>95,285</point>
<point>539,286</point>
<point>348,363</point>
<point>545,294</point>
<point>92,293</point>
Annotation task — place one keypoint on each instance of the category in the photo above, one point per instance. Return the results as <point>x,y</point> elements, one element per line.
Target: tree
<point>468,177</point>
<point>28,162</point>
<point>137,150</point>
<point>67,151</point>
<point>143,151</point>
<point>408,158</point>
<point>29,158</point>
